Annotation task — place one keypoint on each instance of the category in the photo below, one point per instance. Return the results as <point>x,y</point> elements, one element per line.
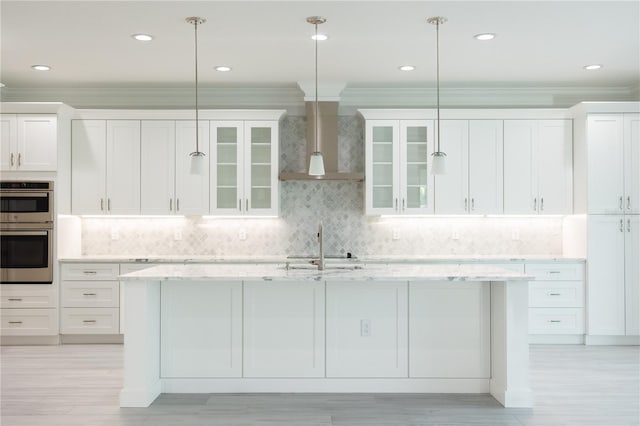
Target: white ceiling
<point>88,43</point>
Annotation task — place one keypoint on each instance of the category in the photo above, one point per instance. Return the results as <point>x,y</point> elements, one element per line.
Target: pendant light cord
<point>438,77</point>
<point>197,130</point>
<point>316,69</point>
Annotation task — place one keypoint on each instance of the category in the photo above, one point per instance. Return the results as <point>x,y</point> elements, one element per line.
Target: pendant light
<point>316,161</point>
<point>439,166</point>
<point>197,156</point>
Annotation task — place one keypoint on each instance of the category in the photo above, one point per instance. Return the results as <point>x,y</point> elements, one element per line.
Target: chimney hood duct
<point>327,144</point>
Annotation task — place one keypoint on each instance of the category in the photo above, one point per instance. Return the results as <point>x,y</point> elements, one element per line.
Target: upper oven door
<point>26,256</point>
<point>26,206</point>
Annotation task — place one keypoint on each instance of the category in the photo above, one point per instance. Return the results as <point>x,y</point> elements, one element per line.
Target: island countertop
<point>333,272</point>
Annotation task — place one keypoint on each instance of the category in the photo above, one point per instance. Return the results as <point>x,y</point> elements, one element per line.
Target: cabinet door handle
<point>89,294</point>
<point>170,204</point>
<point>403,204</point>
<point>621,225</point>
<point>240,204</point>
<point>246,205</point>
<point>15,322</point>
<point>14,299</point>
<point>101,204</point>
<point>473,204</point>
<point>396,205</point>
<point>541,204</point>
<point>11,160</point>
<point>628,202</point>
<point>621,205</point>
<point>19,159</point>
<point>89,321</point>
<point>628,225</point>
<point>177,204</point>
<point>465,205</point>
<point>535,204</point>
<point>89,272</point>
<point>108,204</point>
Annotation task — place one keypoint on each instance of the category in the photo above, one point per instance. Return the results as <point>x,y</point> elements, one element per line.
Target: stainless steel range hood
<point>327,144</point>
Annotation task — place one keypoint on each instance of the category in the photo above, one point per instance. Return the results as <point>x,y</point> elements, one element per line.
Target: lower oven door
<point>26,256</point>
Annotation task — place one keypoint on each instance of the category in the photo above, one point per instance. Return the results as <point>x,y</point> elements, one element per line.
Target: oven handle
<point>24,194</point>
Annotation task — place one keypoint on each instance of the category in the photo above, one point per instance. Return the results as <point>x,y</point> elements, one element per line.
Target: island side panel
<point>509,344</point>
<point>141,379</point>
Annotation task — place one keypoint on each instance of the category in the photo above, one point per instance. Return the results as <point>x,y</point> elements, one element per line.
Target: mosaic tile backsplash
<point>339,205</point>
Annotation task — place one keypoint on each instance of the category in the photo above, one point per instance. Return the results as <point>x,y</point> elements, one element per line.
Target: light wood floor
<point>73,385</point>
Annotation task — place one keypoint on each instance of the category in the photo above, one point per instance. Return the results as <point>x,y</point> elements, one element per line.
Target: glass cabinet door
<point>416,142</point>
<point>226,167</point>
<point>261,173</point>
<point>381,166</point>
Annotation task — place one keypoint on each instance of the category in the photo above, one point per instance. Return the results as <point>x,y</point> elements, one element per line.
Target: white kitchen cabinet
<point>284,329</point>
<point>192,190</point>
<point>449,330</point>
<point>201,329</point>
<point>397,166</point>
<point>537,166</point>
<point>632,275</point>
<point>126,268</point>
<point>105,167</point>
<point>244,158</point>
<point>613,150</point>
<point>606,275</point>
<point>473,182</point>
<point>158,167</point>
<point>28,310</point>
<point>28,142</point>
<point>367,334</point>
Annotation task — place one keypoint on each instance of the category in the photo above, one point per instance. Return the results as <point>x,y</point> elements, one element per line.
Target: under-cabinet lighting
<point>129,216</point>
<point>238,217</point>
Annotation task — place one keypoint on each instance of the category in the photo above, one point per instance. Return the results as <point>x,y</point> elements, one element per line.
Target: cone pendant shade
<point>316,164</point>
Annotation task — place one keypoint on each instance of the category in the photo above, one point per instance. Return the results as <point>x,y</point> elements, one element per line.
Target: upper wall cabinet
<point>473,182</point>
<point>28,142</point>
<point>613,145</point>
<point>537,167</point>
<point>244,168</point>
<point>105,167</point>
<point>398,163</point>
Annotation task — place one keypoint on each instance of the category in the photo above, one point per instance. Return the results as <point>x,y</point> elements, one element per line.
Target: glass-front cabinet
<point>244,165</point>
<point>398,161</point>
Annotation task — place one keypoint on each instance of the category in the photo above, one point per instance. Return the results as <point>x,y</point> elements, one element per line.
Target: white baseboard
<point>81,339</point>
<point>29,340</point>
<point>556,339</point>
<point>612,340</point>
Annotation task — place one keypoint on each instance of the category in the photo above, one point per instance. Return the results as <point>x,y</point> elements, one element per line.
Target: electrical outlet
<point>515,235</point>
<point>115,235</point>
<point>365,328</point>
<point>395,234</point>
<point>455,235</point>
<point>177,235</point>
<point>242,234</point>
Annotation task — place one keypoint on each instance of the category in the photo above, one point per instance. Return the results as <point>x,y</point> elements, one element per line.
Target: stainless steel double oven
<point>26,232</point>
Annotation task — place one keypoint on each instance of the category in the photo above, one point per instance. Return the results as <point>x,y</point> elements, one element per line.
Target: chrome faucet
<point>321,258</point>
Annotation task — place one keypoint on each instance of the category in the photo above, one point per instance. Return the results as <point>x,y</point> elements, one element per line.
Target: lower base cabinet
<point>367,329</point>
<point>284,329</point>
<point>28,310</point>
<point>201,329</point>
<point>449,330</point>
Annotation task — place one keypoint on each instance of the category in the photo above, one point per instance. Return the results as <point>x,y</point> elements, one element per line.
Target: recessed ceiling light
<point>319,37</point>
<point>484,36</point>
<point>592,67</point>
<point>223,68</point>
<point>41,67</point>
<point>407,68</point>
<point>142,37</point>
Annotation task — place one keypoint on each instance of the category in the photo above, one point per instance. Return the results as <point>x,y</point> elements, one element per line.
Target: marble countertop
<point>333,272</point>
<point>431,259</point>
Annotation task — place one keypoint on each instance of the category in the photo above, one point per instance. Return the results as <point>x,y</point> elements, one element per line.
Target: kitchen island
<point>349,328</point>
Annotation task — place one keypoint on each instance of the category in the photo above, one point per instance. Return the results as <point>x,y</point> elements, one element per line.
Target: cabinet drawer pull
<point>554,272</point>
<point>15,299</point>
<point>554,294</point>
<point>89,294</point>
<point>621,206</point>
<point>628,202</point>
<point>555,321</point>
<point>89,321</point>
<point>90,272</point>
<point>15,322</point>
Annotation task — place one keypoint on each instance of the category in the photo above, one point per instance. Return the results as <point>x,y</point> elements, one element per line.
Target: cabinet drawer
<point>27,296</point>
<point>99,294</point>
<point>90,271</point>
<point>556,321</point>
<point>28,322</point>
<point>559,294</point>
<point>556,271</point>
<point>89,321</point>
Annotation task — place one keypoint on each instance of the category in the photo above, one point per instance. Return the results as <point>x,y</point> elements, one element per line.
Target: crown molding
<point>351,98</point>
